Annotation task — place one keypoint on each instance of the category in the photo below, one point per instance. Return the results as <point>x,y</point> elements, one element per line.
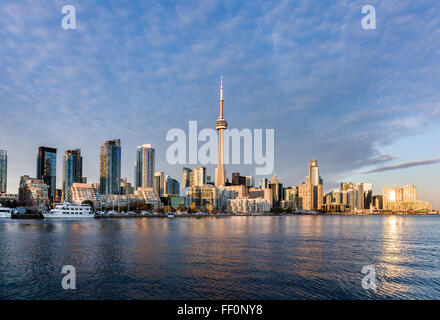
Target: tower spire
<point>221,95</point>
<point>221,86</point>
<point>220,125</point>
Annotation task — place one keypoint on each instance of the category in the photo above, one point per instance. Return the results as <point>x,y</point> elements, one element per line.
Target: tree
<point>89,203</point>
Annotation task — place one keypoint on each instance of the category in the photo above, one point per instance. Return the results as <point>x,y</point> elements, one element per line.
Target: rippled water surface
<point>297,257</point>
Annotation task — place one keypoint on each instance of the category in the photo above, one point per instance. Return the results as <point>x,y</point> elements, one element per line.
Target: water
<point>297,257</point>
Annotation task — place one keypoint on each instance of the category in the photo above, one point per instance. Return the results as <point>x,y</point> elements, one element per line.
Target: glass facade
<point>110,167</point>
<point>72,170</point>
<point>3,170</point>
<point>144,167</point>
<point>173,186</point>
<point>47,168</point>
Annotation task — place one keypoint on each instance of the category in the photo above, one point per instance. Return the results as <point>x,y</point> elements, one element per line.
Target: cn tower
<point>220,125</point>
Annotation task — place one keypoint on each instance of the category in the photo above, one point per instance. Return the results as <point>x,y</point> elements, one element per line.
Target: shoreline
<point>222,215</point>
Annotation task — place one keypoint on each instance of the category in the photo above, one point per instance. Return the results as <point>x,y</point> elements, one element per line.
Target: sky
<point>365,103</point>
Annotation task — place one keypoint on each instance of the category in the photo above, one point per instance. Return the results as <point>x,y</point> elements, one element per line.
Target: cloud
<point>404,165</point>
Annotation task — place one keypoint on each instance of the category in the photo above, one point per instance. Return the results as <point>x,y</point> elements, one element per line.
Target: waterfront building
<point>110,167</point>
<point>403,199</point>
<point>377,202</point>
<point>220,125</point>
<point>240,190</point>
<point>3,171</point>
<point>47,168</point>
<point>310,193</point>
<point>199,176</point>
<point>33,192</point>
<point>72,170</point>
<point>144,166</point>
<point>264,193</point>
<point>224,193</point>
<point>172,186</point>
<point>8,197</point>
<point>409,193</point>
<point>126,187</point>
<point>368,195</point>
<point>202,197</point>
<point>277,191</point>
<point>148,196</point>
<point>159,183</point>
<point>80,192</point>
<point>256,205</point>
<point>186,177</point>
<point>291,195</point>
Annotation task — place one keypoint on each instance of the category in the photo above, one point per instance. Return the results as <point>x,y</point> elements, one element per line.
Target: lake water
<point>296,257</point>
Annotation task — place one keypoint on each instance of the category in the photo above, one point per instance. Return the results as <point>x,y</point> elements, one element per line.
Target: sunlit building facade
<point>110,167</point>
<point>33,192</point>
<point>310,193</point>
<point>186,177</point>
<point>403,199</point>
<point>144,166</point>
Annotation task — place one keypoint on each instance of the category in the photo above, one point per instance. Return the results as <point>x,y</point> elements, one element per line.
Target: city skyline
<point>354,115</point>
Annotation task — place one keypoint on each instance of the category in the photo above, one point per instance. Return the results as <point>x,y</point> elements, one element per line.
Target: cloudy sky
<point>365,103</point>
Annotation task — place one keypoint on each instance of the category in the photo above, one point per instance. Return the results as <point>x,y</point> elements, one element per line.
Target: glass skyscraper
<point>110,167</point>
<point>144,167</point>
<point>72,170</point>
<point>3,170</point>
<point>47,168</point>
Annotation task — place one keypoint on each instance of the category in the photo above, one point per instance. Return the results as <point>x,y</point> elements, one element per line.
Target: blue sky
<point>354,99</point>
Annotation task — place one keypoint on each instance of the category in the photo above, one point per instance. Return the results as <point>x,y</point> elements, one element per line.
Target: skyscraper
<point>310,194</point>
<point>110,167</point>
<point>277,191</point>
<point>220,125</point>
<point>159,183</point>
<point>72,170</point>
<point>199,176</point>
<point>186,177</point>
<point>47,168</point>
<point>368,195</point>
<point>172,186</point>
<point>144,167</point>
<point>3,170</point>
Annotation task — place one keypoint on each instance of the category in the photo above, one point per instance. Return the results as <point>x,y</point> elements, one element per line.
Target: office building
<point>47,168</point>
<point>72,171</point>
<point>159,183</point>
<point>277,191</point>
<point>199,174</point>
<point>110,167</point>
<point>186,177</point>
<point>310,193</point>
<point>144,166</point>
<point>172,186</point>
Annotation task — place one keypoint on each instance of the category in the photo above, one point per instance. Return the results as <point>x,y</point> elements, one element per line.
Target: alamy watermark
<point>69,280</point>
<point>369,20</point>
<point>253,145</point>
<point>369,280</point>
<point>69,20</point>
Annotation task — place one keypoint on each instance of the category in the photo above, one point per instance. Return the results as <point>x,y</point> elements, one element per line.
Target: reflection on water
<point>298,257</point>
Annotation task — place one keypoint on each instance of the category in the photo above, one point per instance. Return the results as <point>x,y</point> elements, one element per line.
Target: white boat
<point>5,212</point>
<point>68,210</point>
<point>170,215</point>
